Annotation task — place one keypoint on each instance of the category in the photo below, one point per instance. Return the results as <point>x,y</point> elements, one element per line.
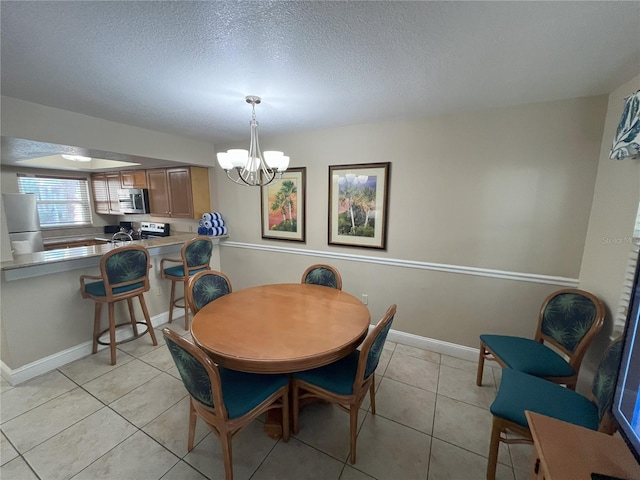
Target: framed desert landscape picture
<point>358,203</point>
<point>283,206</point>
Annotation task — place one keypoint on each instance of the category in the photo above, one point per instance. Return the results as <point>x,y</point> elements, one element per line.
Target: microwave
<point>133,200</point>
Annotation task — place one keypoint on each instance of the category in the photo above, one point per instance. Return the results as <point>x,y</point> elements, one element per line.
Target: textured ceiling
<point>185,67</point>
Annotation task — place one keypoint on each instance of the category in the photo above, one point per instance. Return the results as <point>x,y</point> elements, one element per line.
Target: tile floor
<point>91,420</point>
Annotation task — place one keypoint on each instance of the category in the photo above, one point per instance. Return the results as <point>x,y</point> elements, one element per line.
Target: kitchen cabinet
<point>113,185</point>
<point>100,192</point>
<point>104,187</point>
<point>179,192</point>
<point>158,192</point>
<point>133,179</point>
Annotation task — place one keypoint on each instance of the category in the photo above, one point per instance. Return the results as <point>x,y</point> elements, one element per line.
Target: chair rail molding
<point>397,262</point>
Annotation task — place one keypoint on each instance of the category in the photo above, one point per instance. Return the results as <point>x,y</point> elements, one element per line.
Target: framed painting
<point>283,206</point>
<point>358,204</point>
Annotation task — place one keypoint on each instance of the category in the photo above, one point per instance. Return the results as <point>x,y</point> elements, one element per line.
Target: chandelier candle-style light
<point>251,168</point>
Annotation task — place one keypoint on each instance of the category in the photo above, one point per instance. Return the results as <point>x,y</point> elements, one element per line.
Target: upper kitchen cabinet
<point>105,192</point>
<point>179,192</point>
<point>133,179</point>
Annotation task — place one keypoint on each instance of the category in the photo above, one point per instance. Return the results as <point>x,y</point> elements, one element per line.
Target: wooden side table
<point>566,451</point>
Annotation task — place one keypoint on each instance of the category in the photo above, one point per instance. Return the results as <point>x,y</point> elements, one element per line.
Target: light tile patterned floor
<point>89,420</point>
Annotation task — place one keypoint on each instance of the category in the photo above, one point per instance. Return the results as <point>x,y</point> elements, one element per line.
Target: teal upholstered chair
<point>206,286</point>
<point>225,399</point>
<point>569,320</point>
<point>324,275</point>
<point>345,383</point>
<point>124,275</point>
<point>195,256</point>
<point>519,392</point>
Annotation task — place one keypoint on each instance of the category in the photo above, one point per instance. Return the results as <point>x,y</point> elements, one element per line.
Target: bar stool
<point>124,274</point>
<point>195,256</point>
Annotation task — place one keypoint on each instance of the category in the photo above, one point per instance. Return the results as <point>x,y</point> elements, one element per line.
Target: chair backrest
<point>604,384</point>
<point>125,270</point>
<point>570,319</point>
<point>206,286</point>
<point>196,253</point>
<point>372,346</point>
<point>324,275</point>
<point>199,373</point>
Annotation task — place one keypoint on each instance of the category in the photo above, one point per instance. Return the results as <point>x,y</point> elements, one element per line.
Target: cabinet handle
<point>536,469</point>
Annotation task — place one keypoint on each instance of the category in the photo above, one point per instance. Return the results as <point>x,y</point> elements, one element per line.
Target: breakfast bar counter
<point>45,321</point>
<point>65,259</point>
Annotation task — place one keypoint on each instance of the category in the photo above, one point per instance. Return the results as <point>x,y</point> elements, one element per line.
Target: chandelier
<point>251,168</point>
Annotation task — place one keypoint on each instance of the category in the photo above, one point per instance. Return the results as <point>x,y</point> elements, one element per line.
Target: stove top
<point>154,230</point>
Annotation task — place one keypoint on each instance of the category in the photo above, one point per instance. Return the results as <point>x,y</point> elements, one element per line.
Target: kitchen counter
<point>65,259</point>
<point>73,238</point>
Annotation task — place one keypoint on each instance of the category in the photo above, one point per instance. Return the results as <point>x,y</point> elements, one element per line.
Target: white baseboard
<point>433,345</point>
<point>57,360</point>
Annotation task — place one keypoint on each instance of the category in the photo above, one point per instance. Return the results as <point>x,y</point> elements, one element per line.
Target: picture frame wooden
<point>358,205</point>
<point>283,206</point>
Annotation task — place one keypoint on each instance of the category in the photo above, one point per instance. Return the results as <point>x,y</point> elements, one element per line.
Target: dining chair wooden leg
<point>285,416</point>
<point>193,418</point>
<point>172,301</point>
<point>494,445</point>
<point>147,319</point>
<point>372,394</point>
<point>132,316</point>
<point>225,440</point>
<point>96,326</point>
<point>295,397</point>
<point>186,307</point>
<point>353,431</point>
<point>480,365</point>
<point>112,333</point>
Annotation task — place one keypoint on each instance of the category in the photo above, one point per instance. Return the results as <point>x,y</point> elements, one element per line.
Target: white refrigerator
<point>23,223</point>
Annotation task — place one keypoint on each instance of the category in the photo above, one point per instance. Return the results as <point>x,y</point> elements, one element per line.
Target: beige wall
<point>31,121</point>
<point>615,203</point>
<point>507,189</point>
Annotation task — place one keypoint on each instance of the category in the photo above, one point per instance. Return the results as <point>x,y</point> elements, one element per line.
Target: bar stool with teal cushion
<point>324,275</point>
<point>345,382</point>
<point>124,275</point>
<point>225,399</point>
<point>205,287</point>
<point>519,392</point>
<point>568,321</point>
<point>195,256</point>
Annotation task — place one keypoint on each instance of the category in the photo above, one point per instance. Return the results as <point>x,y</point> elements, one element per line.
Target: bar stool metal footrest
<point>126,340</point>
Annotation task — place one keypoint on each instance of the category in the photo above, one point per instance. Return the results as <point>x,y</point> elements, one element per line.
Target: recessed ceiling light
<point>76,158</point>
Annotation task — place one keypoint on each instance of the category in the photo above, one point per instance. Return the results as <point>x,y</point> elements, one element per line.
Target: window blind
<point>62,202</point>
<point>627,285</point>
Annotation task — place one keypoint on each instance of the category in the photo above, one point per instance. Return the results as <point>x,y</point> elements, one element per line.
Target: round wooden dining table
<point>281,328</point>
